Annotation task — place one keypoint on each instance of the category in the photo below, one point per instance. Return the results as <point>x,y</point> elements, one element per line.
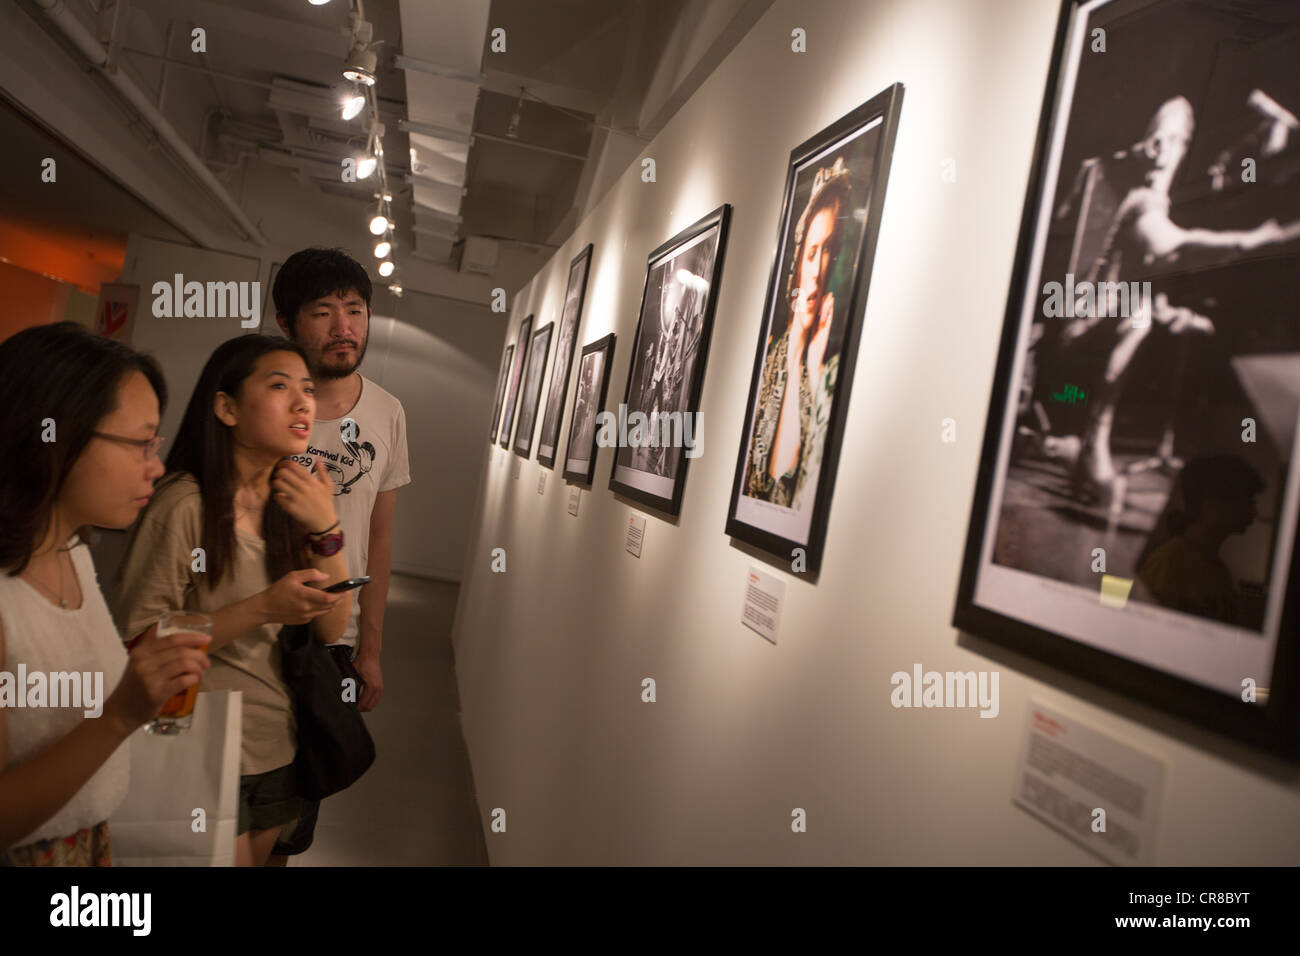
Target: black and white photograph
<point>588,401</point>
<point>668,358</point>
<point>574,294</point>
<point>501,390</point>
<point>531,396</point>
<point>521,356</point>
<point>807,343</point>
<point>1138,492</point>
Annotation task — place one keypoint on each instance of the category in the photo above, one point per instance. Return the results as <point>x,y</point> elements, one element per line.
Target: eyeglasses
<point>149,446</point>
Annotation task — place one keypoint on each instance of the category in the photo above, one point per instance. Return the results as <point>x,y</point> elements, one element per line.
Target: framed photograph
<point>574,294</point>
<point>1134,519</point>
<point>808,339</point>
<point>532,394</point>
<point>501,390</point>
<point>521,354</point>
<point>588,401</point>
<point>658,415</point>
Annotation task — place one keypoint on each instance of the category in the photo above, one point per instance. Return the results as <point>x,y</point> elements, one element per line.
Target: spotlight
<point>378,225</point>
<point>366,166</point>
<point>318,3</point>
<point>359,67</point>
<point>353,105</point>
<point>386,267</point>
<point>383,249</point>
<point>396,289</point>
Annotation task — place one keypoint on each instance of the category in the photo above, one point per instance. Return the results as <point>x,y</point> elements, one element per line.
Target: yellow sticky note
<point>1114,591</point>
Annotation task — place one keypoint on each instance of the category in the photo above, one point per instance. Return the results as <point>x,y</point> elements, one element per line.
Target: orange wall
<point>29,299</point>
<point>40,265</point>
<point>82,258</point>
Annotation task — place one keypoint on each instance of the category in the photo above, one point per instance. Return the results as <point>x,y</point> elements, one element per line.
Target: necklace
<point>63,602</point>
<point>251,518</point>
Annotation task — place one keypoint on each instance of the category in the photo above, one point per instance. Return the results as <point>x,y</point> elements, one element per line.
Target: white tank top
<point>47,639</point>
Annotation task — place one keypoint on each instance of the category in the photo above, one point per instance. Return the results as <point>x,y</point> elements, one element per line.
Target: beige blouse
<point>158,575</point>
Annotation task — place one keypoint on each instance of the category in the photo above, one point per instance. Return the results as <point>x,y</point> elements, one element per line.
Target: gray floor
<point>416,805</point>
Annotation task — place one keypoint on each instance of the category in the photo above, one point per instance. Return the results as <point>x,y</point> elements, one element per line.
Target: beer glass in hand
<point>178,713</point>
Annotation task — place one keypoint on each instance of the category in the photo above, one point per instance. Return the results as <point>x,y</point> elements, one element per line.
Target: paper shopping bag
<point>183,803</point>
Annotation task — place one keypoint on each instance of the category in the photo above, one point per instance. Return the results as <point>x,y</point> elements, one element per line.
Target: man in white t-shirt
<point>322,302</point>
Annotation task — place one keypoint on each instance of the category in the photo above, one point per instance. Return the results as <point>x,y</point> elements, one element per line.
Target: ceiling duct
<point>442,51</point>
<point>477,254</point>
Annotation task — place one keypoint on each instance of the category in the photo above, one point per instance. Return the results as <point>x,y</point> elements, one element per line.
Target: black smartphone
<point>347,585</point>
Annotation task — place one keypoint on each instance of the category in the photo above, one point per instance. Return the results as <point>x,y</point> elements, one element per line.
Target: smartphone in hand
<point>347,585</point>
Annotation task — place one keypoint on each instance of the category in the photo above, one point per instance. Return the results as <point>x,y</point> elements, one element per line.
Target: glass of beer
<point>178,713</point>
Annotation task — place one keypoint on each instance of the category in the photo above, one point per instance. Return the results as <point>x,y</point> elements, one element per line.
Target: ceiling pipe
<point>523,145</point>
<point>162,83</point>
<point>391,107</point>
<point>58,13</point>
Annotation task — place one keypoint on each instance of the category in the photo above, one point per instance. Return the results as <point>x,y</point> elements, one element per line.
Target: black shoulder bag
<point>334,746</point>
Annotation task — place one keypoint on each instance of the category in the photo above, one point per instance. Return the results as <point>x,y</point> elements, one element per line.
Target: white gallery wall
<point>551,654</point>
<point>440,358</point>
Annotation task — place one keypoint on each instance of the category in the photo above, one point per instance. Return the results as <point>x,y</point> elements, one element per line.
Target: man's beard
<point>323,372</point>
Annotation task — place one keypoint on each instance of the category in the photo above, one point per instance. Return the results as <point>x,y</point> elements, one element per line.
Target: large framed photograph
<point>661,401</point>
<point>588,402</point>
<point>521,355</point>
<point>574,294</point>
<point>1134,519</point>
<point>808,339</point>
<point>501,390</point>
<point>532,394</point>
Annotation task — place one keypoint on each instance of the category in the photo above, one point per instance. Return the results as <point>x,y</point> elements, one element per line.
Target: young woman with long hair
<point>241,532</point>
<point>79,414</point>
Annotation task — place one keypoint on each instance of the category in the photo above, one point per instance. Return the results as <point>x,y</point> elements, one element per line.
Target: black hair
<point>311,274</point>
<point>204,448</point>
<point>1217,478</point>
<point>65,373</point>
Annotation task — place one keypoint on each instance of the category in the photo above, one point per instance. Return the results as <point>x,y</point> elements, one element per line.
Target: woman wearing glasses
<point>79,415</point>
<point>234,515</point>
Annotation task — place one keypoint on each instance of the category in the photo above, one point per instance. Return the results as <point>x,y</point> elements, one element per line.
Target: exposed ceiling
<point>88,202</point>
<point>501,145</point>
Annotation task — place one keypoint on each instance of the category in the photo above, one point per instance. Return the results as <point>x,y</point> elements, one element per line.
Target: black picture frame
<point>853,154</point>
<point>589,401</point>
<point>502,379</point>
<point>1069,641</point>
<point>512,396</point>
<point>693,237</point>
<point>575,294</point>
<point>531,389</point>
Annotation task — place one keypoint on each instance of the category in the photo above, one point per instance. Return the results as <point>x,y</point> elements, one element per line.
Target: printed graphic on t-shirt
<point>346,467</point>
